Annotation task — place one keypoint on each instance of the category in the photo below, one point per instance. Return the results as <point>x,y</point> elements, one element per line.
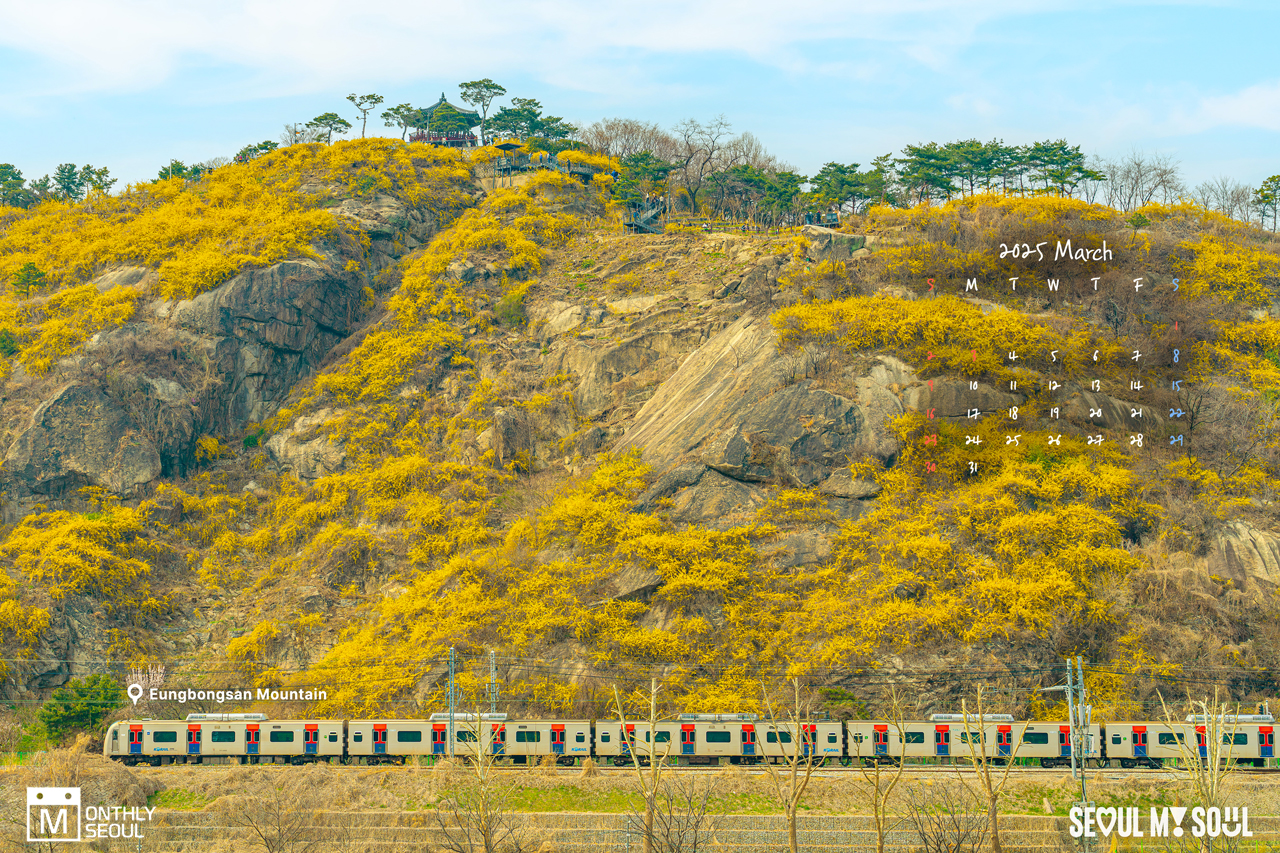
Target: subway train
<point>687,739</point>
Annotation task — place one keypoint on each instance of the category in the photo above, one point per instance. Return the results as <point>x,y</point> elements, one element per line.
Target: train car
<point>824,739</point>
<point>295,741</point>
<point>949,737</point>
<point>224,738</point>
<point>146,741</point>
<point>621,743</point>
<point>1050,742</point>
<point>1248,738</point>
<point>528,741</point>
<point>394,741</point>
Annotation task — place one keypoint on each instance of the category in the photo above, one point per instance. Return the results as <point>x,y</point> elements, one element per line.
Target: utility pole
<point>1084,715</point>
<point>453,695</point>
<point>493,682</point>
<point>1071,718</point>
<point>1079,716</point>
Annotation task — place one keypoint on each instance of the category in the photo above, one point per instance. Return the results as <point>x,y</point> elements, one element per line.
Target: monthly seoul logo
<point>1162,822</point>
<point>53,814</point>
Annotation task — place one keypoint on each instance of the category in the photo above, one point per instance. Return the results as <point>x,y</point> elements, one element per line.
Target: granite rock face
<point>736,406</point>
<point>79,437</point>
<point>1247,556</point>
<point>270,328</point>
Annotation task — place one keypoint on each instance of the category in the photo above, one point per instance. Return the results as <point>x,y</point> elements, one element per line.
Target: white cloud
<point>133,45</point>
<point>1257,106</point>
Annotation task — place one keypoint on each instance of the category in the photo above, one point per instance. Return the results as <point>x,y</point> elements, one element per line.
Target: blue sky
<point>128,84</point>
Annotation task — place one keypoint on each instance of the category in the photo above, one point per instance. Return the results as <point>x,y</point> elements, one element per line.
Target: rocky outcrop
<point>829,244</point>
<point>80,437</point>
<point>1249,557</point>
<point>303,452</point>
<point>735,406</point>
<point>270,328</point>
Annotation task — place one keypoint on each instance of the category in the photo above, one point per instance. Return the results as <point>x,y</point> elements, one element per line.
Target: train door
<point>1202,744</point>
<point>941,741</point>
<point>380,739</point>
<point>557,739</point>
<point>748,739</point>
<point>439,733</point>
<point>193,739</point>
<point>628,739</point>
<point>1139,741</point>
<point>311,739</point>
<point>251,739</point>
<point>687,735</point>
<point>499,739</point>
<point>1266,742</point>
<point>880,739</point>
<point>809,738</point>
<point>1064,741</point>
<point>135,740</point>
<point>1004,741</point>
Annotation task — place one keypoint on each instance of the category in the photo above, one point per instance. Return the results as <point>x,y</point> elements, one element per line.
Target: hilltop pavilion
<point>450,139</point>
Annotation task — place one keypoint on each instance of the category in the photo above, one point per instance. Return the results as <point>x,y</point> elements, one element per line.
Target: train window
<point>222,737</point>
<point>1035,738</point>
<point>358,737</point>
<point>115,735</point>
<point>1238,739</point>
<point>580,737</point>
<point>915,737</point>
<point>659,737</point>
<point>413,737</point>
<point>533,737</point>
<point>465,736</point>
<point>281,737</point>
<point>1116,740</point>
<point>165,737</point>
<point>1169,738</point>
<point>719,737</point>
<point>333,737</point>
<point>774,737</point>
<point>832,737</point>
<point>971,737</point>
<point>858,737</point>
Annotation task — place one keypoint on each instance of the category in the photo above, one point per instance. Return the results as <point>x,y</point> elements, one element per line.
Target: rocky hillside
<point>351,410</point>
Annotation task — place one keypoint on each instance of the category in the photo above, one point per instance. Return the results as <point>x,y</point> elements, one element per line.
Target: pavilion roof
<point>471,115</point>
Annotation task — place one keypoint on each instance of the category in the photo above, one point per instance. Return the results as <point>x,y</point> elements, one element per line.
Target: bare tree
<point>277,818</point>
<point>789,783</point>
<point>1208,760</point>
<point>623,137</point>
<point>1226,196</point>
<point>698,153</point>
<point>948,818</point>
<point>1228,427</point>
<point>1140,179</point>
<point>682,821</point>
<point>872,780</point>
<point>650,776</point>
<point>992,783</point>
<point>299,132</point>
<point>477,817</point>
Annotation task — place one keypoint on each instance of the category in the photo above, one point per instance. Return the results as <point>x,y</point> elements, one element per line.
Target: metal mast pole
<point>453,694</point>
<point>1083,713</point>
<point>493,682</point>
<point>1071,718</point>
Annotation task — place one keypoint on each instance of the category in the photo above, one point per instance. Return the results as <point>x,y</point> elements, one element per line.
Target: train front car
<point>199,739</point>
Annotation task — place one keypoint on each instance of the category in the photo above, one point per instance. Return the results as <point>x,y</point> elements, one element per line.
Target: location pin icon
<point>135,692</point>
